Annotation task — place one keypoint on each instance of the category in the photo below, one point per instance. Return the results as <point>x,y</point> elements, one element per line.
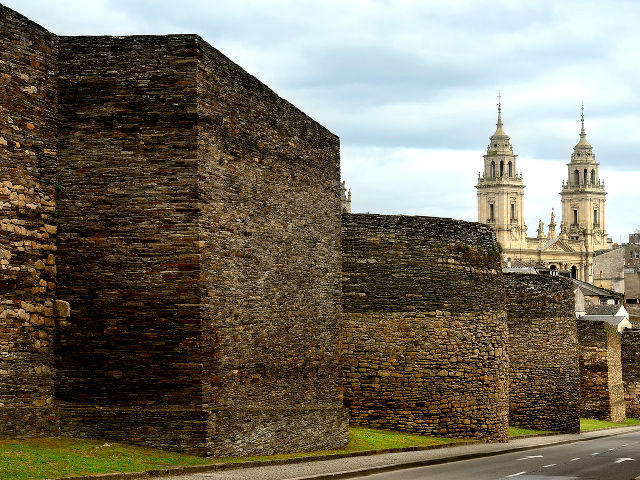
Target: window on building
<point>585,176</point>
<point>576,177</point>
<point>513,211</point>
<point>491,213</point>
<point>510,169</point>
<point>575,216</point>
<point>501,168</point>
<point>553,270</point>
<point>492,169</point>
<point>574,272</point>
<point>596,218</point>
<point>593,177</point>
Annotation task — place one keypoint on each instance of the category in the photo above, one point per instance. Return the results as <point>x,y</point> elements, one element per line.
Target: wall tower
<point>583,199</point>
<point>501,190</point>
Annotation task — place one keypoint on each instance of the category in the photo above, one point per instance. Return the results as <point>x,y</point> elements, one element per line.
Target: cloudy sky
<point>410,86</point>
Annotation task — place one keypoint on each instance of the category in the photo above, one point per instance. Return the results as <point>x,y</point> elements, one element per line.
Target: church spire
<point>582,144</point>
<point>500,133</point>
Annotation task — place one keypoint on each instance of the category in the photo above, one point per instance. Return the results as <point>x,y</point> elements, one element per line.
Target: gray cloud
<point>394,75</point>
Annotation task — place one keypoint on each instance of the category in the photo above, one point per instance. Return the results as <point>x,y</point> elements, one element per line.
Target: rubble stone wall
<point>27,226</point>
<point>630,356</point>
<point>544,385</point>
<point>269,179</point>
<point>129,361</point>
<point>200,249</point>
<point>425,334</point>
<point>601,389</point>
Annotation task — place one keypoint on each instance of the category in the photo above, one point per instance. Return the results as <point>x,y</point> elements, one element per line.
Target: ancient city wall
<point>28,227</point>
<point>200,250</point>
<point>601,390</point>
<point>425,334</point>
<point>543,353</point>
<point>130,359</point>
<point>630,356</point>
<point>269,179</point>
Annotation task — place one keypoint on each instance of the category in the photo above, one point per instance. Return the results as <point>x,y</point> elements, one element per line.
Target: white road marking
<point>530,456</point>
<point>620,460</point>
<point>597,453</point>
<point>574,459</point>
<point>515,474</point>
<point>611,449</point>
<point>624,445</point>
<point>550,465</point>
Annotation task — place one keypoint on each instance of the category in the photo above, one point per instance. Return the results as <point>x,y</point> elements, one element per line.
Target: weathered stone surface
<point>27,169</point>
<point>425,335</point>
<point>269,188</point>
<point>61,309</point>
<point>543,353</point>
<point>630,356</point>
<point>601,389</point>
<point>198,237</point>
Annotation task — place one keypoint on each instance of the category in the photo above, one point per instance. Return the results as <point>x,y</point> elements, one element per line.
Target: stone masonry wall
<point>27,226</point>
<point>630,356</point>
<point>269,179</point>
<point>543,353</point>
<point>425,334</point>
<point>130,361</point>
<point>200,250</point>
<point>601,390</point>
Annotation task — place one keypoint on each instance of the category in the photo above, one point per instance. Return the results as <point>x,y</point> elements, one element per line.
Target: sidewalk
<point>312,468</point>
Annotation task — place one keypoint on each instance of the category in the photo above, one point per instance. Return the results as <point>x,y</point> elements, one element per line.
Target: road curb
<point>186,470</point>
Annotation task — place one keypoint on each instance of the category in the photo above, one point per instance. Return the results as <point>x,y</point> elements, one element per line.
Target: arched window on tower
<point>501,168</point>
<point>593,177</point>
<point>553,270</point>
<point>585,176</point>
<point>492,170</point>
<point>576,177</point>
<point>510,169</point>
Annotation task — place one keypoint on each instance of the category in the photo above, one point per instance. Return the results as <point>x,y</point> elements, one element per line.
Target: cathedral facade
<point>583,224</point>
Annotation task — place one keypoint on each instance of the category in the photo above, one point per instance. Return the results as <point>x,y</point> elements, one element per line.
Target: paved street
<point>606,455</point>
<point>613,458</point>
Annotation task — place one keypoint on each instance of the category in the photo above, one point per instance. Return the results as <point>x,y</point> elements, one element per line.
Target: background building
<point>582,228</point>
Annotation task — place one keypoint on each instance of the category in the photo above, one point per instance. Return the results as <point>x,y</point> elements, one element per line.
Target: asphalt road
<point>611,458</point>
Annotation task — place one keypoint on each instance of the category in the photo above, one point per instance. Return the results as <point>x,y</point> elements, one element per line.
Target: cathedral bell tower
<point>583,198</point>
<point>501,190</point>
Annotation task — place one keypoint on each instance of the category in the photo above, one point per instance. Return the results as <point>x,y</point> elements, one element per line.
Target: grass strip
<point>521,432</point>
<point>57,457</point>
<point>587,424</point>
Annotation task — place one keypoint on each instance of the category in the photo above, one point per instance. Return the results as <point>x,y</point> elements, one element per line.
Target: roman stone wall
<point>269,179</point>
<point>425,335</point>
<point>130,360</point>
<point>200,250</point>
<point>601,389</point>
<point>543,353</point>
<point>630,356</point>
<point>27,226</point>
